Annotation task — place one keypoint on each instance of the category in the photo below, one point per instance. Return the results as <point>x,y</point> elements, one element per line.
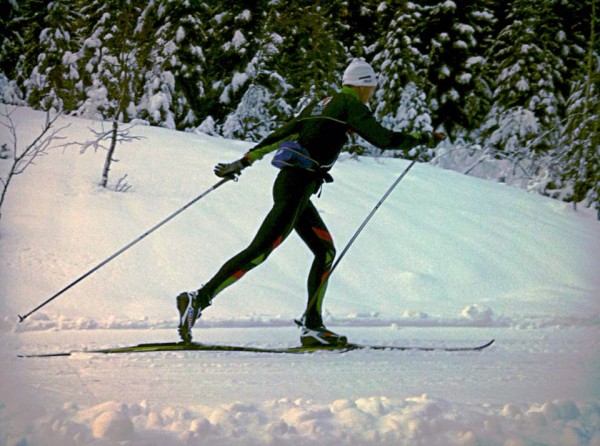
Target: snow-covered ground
<point>447,260</point>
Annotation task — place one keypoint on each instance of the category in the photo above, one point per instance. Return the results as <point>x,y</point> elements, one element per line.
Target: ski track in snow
<point>448,260</point>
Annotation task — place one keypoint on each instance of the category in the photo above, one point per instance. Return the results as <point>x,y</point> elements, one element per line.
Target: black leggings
<point>292,210</point>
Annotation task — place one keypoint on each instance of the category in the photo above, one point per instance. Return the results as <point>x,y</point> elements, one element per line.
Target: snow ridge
<point>370,420</point>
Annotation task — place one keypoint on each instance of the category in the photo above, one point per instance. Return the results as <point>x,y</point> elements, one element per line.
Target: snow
<point>463,28</point>
<point>475,60</point>
<point>245,15</point>
<point>447,260</point>
<point>448,5</point>
<point>237,42</point>
<point>219,17</point>
<point>464,78</point>
<point>180,34</point>
<point>522,84</point>
<point>9,91</point>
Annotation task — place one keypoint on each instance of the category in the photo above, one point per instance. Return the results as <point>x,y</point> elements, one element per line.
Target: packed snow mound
<point>370,420</point>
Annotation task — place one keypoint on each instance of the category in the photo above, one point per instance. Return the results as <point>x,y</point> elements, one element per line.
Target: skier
<point>307,147</point>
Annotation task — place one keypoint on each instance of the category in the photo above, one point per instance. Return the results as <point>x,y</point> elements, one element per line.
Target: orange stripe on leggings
<point>238,274</point>
<point>323,234</point>
<point>277,242</point>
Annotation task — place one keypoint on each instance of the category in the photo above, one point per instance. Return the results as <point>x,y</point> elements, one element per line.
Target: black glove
<point>231,170</point>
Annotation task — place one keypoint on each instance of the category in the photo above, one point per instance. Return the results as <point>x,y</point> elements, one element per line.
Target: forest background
<point>513,83</point>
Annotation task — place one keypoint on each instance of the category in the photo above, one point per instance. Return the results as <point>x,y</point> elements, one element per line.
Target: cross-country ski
<point>183,347</point>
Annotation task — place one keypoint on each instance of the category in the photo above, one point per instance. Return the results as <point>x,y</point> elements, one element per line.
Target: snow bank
<point>370,420</point>
<point>442,241</point>
<point>471,316</point>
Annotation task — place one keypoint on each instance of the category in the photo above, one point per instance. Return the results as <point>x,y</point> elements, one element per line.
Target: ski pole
<point>356,234</point>
<point>126,247</point>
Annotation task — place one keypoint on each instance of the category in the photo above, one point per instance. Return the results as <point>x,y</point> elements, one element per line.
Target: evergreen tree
<point>297,42</point>
<point>27,25</point>
<point>188,63</point>
<point>51,83</point>
<point>253,118</point>
<point>580,164</point>
<point>455,35</point>
<point>11,38</point>
<point>263,106</point>
<point>11,43</point>
<point>529,72</point>
<point>576,19</point>
<point>486,72</point>
<point>113,58</point>
<point>230,45</point>
<point>174,63</point>
<point>311,54</point>
<point>400,98</point>
<point>360,24</point>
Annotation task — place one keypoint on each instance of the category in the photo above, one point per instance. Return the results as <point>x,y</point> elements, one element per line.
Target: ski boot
<point>319,336</point>
<point>190,306</point>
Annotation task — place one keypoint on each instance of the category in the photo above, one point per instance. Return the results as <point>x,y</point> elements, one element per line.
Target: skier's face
<point>370,93</point>
<point>365,94</point>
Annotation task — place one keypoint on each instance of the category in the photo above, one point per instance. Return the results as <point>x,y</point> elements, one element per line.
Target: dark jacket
<point>322,128</point>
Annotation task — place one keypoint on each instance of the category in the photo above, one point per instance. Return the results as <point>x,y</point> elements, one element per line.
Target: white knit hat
<point>360,74</point>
